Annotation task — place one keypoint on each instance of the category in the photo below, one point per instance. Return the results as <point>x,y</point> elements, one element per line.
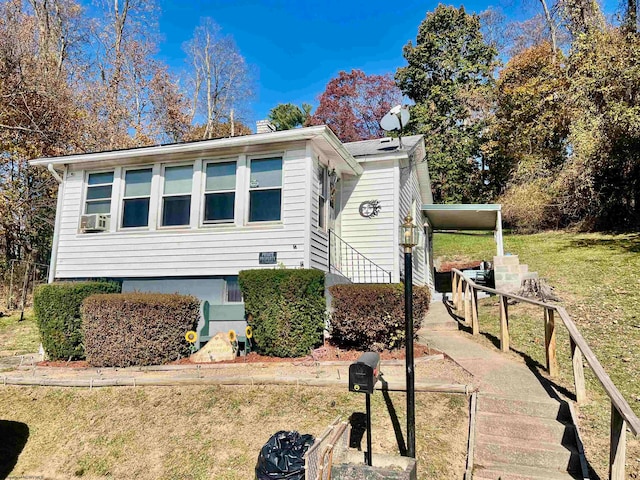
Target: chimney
<point>264,126</point>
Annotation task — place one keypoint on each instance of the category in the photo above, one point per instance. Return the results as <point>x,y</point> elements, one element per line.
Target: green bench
<point>220,318</point>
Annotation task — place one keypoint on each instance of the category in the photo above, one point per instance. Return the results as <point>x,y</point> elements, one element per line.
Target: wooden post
<point>475,325</point>
<point>454,287</point>
<point>617,446</point>
<point>578,372</point>
<point>550,341</point>
<point>459,299</point>
<point>467,303</point>
<point>504,324</point>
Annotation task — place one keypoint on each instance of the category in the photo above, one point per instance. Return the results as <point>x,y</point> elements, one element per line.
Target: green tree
<point>601,183</point>
<point>286,116</point>
<point>449,76</point>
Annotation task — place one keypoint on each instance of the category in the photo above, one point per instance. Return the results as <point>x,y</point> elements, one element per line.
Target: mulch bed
<point>325,353</point>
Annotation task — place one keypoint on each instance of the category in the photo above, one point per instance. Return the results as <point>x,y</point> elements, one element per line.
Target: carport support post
<point>498,235</point>
<point>408,320</point>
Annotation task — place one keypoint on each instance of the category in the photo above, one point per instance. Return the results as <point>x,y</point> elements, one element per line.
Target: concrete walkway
<point>523,428</point>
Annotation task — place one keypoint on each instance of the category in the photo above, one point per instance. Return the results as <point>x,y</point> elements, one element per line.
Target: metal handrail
<point>354,265</point>
<point>622,416</point>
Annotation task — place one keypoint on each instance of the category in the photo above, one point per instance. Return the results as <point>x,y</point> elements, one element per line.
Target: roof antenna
<point>396,119</point>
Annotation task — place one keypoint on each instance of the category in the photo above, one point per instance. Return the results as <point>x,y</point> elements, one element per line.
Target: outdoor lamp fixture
<point>409,235</point>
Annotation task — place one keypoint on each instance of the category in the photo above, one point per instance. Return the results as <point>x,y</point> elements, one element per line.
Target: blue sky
<point>296,47</point>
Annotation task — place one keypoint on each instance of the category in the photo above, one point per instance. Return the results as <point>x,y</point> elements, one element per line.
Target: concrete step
<point>569,444</point>
<point>510,406</point>
<point>489,455</point>
<point>524,427</point>
<point>448,325</point>
<point>520,472</point>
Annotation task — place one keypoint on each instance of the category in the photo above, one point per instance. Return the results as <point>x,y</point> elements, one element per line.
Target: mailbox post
<point>363,376</point>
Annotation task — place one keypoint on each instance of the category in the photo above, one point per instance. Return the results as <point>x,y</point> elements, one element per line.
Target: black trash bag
<point>282,456</point>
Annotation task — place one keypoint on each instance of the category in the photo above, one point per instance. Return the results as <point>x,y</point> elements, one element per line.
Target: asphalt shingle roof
<point>380,146</point>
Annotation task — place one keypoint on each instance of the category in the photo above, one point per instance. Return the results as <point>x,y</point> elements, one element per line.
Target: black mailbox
<point>363,375</point>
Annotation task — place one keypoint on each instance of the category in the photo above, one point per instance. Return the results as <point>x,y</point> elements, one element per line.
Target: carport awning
<point>464,216</point>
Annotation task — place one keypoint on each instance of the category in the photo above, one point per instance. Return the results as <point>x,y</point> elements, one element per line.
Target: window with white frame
<point>232,290</point>
<point>137,195</point>
<point>99,187</point>
<point>322,197</point>
<point>220,192</point>
<point>265,190</point>
<point>176,195</point>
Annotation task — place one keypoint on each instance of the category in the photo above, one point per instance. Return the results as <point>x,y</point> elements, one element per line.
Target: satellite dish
<point>396,119</point>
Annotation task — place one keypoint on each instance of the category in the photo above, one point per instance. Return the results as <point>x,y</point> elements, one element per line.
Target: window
<point>233,293</point>
<point>176,197</point>
<point>265,190</point>
<point>99,187</point>
<point>220,194</point>
<point>322,198</point>
<point>137,193</point>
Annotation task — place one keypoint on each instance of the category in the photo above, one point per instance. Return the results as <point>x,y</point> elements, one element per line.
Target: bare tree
<point>219,76</point>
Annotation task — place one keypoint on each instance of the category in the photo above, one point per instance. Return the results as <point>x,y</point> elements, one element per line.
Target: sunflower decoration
<point>248,332</point>
<point>191,337</point>
<point>233,338</point>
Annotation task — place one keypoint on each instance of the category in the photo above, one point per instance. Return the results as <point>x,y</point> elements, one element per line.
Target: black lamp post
<point>408,239</point>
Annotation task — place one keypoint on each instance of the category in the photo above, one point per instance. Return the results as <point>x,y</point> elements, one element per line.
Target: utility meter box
<point>363,375</point>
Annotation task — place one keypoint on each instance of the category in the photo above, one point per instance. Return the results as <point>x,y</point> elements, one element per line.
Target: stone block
<point>505,260</point>
<point>217,349</point>
<point>512,278</point>
<point>530,276</point>
<point>524,268</point>
<point>501,269</point>
<point>385,467</point>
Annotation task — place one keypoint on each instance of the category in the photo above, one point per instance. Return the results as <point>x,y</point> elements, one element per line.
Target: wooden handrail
<point>622,416</point>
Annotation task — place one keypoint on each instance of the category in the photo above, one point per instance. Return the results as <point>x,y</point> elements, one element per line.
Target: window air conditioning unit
<point>93,223</point>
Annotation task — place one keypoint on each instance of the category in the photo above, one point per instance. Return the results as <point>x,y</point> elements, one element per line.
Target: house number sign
<point>268,258</point>
<point>369,208</point>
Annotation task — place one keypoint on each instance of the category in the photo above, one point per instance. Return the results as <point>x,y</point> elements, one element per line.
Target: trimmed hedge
<point>286,309</point>
<point>137,328</point>
<point>371,317</point>
<point>57,309</point>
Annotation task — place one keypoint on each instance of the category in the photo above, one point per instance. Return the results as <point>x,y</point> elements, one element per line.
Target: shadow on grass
<point>630,244</point>
<point>397,429</point>
<point>13,438</point>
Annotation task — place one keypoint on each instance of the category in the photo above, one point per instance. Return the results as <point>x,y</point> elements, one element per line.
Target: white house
<point>188,217</point>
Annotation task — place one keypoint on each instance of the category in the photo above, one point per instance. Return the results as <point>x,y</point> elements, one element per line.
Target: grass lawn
<point>204,432</point>
<point>598,278</point>
<point>18,337</point>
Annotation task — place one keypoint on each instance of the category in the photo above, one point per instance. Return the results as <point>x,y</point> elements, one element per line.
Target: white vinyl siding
<point>319,237</point>
<point>372,237</point>
<point>223,250</point>
<point>410,202</point>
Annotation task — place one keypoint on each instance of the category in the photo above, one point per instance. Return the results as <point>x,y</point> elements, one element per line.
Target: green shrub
<point>57,309</point>
<point>286,308</point>
<point>137,328</point>
<point>371,317</point>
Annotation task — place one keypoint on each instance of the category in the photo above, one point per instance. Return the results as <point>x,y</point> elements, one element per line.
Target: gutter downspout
<point>56,228</point>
